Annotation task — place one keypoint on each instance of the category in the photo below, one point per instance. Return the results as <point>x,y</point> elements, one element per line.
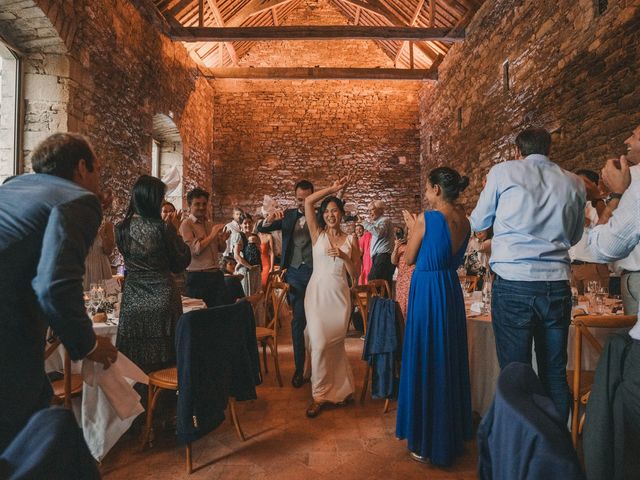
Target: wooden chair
<point>273,277</point>
<point>581,390</point>
<point>380,288</point>
<point>167,379</point>
<point>267,336</point>
<point>473,282</point>
<point>360,296</point>
<point>71,384</point>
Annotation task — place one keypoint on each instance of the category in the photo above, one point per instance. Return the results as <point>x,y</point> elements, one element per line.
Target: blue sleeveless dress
<point>434,403</point>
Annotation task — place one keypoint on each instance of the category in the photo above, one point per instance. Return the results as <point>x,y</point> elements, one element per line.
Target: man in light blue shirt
<point>382,242</point>
<point>537,212</point>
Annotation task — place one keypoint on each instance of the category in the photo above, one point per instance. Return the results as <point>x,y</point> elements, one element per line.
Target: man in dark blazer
<point>48,221</point>
<point>297,258</point>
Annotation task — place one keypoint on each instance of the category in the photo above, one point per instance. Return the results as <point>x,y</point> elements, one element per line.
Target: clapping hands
<point>409,218</point>
<point>173,218</point>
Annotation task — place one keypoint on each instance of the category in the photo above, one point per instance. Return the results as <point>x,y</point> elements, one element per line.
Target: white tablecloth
<point>109,404</point>
<point>483,361</point>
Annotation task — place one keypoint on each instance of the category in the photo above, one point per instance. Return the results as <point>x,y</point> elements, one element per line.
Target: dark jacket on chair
<point>611,439</point>
<point>381,345</point>
<point>50,446</point>
<point>217,357</point>
<point>522,436</point>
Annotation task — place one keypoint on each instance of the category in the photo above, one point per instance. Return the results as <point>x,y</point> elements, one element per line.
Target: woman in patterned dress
<point>151,305</point>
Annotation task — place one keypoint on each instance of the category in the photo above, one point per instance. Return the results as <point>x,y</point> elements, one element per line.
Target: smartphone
<point>400,235</point>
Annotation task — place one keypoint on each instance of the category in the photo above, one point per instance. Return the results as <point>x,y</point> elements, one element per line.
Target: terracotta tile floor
<point>354,442</point>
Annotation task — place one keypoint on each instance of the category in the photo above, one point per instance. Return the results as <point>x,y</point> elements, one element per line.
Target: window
<point>9,111</point>
<point>505,76</point>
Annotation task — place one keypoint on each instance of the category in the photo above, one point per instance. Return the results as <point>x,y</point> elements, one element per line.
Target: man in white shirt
<point>612,429</point>
<point>234,228</point>
<point>537,212</point>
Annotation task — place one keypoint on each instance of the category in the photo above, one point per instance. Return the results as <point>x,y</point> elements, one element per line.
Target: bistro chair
<point>267,336</point>
<point>580,380</point>
<point>472,282</point>
<point>70,385</point>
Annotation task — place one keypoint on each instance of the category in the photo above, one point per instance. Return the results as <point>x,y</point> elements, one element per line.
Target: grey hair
<point>377,204</point>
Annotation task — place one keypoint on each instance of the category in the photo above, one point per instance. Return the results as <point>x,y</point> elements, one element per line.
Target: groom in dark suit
<point>297,258</point>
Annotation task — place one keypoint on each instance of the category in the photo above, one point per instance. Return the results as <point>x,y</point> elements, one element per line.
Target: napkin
<point>476,307</point>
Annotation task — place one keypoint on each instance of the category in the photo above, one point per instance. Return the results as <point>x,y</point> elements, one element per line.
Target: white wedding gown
<point>327,306</point>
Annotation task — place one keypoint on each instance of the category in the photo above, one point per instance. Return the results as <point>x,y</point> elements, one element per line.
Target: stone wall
<point>269,134</point>
<point>117,72</point>
<point>570,69</point>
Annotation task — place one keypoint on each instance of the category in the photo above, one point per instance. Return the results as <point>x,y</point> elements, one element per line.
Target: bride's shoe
<point>314,409</point>
<point>348,399</point>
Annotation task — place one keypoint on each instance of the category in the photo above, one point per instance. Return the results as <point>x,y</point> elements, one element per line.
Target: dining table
<point>109,404</point>
<point>483,361</point>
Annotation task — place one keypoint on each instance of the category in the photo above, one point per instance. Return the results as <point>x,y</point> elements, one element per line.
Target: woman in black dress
<point>151,304</point>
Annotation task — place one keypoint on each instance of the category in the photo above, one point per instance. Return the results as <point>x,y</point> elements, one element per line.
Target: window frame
<point>18,164</point>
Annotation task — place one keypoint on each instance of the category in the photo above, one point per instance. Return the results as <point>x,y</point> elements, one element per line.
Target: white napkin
<point>109,402</point>
<point>111,286</point>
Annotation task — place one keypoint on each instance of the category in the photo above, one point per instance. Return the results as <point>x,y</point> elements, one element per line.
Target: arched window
<point>10,100</point>
<point>166,157</point>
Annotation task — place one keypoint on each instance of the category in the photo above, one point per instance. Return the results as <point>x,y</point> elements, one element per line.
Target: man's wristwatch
<point>615,196</point>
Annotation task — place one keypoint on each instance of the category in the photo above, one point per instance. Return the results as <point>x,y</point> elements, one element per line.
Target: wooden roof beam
<point>254,7</point>
<point>269,73</point>
<point>220,21</point>
<point>414,18</point>
<point>313,32</point>
<point>376,6</point>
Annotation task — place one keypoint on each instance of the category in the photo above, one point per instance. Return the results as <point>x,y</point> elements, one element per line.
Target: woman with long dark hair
<point>151,304</point>
<point>434,403</point>
<point>327,302</point>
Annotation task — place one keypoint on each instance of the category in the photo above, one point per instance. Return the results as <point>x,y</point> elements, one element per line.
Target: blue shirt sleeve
<point>70,231</point>
<point>484,214</point>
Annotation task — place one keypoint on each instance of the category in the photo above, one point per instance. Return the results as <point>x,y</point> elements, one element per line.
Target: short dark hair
<point>60,154</point>
<point>304,185</point>
<point>323,208</point>
<point>245,216</point>
<point>196,193</point>
<point>236,208</point>
<point>450,181</point>
<point>534,141</point>
<point>590,174</point>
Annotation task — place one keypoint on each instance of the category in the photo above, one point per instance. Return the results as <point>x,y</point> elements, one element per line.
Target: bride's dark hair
<point>323,208</point>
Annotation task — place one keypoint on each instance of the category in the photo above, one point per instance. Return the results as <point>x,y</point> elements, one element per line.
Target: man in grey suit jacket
<point>48,221</point>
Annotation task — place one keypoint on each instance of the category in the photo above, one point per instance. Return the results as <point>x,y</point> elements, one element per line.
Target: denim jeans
<point>526,311</point>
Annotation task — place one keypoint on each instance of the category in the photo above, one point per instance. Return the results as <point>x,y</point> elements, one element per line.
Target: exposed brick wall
<point>122,71</point>
<point>269,134</point>
<point>571,71</point>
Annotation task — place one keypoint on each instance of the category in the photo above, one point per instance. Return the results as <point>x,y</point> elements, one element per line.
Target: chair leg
<point>264,356</point>
<point>188,459</point>
<point>234,417</point>
<point>365,383</point>
<point>151,405</point>
<point>387,402</point>
<point>274,354</point>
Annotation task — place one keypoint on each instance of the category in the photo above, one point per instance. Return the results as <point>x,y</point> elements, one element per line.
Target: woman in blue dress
<point>434,404</point>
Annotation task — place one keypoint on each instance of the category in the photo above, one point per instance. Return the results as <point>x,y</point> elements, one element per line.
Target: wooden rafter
<point>220,21</point>
<point>376,6</point>
<point>254,7</point>
<point>414,18</point>
<point>356,19</point>
<point>432,13</point>
<point>312,32</point>
<point>274,17</point>
<point>270,73</point>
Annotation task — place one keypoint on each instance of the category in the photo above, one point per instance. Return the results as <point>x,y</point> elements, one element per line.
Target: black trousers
<point>382,268</point>
<point>208,286</point>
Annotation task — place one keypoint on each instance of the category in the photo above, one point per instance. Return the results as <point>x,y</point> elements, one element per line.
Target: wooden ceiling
<point>450,14</point>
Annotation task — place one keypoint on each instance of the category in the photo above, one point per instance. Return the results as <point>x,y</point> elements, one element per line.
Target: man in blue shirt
<point>48,221</point>
<point>382,242</point>
<point>537,212</point>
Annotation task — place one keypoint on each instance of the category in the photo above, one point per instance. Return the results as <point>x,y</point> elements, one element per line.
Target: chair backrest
<point>52,345</point>
<point>360,296</point>
<point>275,302</point>
<point>379,288</point>
<point>473,282</point>
<point>582,324</point>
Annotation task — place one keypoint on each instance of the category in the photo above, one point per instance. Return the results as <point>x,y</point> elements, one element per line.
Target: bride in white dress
<point>327,301</point>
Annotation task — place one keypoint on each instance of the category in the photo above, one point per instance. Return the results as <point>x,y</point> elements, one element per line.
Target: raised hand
<point>409,218</point>
<point>616,175</point>
<point>272,217</point>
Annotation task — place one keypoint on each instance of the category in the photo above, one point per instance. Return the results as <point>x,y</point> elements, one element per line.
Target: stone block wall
<point>111,70</point>
<point>270,133</point>
<point>571,69</point>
